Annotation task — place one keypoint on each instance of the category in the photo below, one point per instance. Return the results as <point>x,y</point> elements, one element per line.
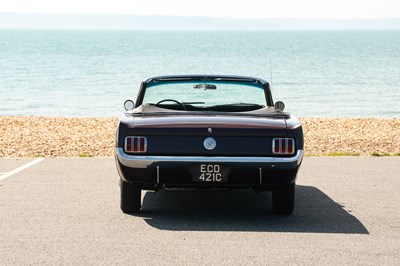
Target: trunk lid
<point>185,134</point>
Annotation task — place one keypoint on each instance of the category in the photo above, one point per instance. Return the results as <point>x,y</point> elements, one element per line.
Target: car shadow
<point>245,210</point>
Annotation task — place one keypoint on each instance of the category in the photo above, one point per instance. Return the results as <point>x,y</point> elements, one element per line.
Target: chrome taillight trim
<point>140,148</point>
<point>286,151</point>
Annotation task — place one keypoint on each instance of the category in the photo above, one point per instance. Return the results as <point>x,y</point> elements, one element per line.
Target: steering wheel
<point>171,100</point>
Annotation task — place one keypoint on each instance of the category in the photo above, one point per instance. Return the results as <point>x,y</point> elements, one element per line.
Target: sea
<point>90,73</point>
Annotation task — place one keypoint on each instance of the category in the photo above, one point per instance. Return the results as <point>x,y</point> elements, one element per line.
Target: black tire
<point>131,197</point>
<point>283,199</point>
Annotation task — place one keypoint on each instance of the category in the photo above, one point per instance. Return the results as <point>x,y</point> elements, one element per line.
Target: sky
<point>314,9</point>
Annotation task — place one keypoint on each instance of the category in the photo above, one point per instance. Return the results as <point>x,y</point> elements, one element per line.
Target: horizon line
<point>204,16</point>
<point>13,20</point>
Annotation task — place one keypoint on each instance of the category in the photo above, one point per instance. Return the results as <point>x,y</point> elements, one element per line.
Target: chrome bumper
<point>140,161</point>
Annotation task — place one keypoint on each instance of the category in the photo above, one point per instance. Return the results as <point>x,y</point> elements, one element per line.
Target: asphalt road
<point>66,211</point>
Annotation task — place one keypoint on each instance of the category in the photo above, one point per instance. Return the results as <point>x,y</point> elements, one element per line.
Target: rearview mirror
<point>129,105</point>
<point>280,106</point>
<point>205,86</point>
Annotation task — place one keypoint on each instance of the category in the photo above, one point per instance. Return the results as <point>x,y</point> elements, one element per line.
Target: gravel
<point>95,137</point>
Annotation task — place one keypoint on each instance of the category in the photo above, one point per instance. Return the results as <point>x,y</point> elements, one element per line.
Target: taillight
<point>135,144</point>
<point>283,146</point>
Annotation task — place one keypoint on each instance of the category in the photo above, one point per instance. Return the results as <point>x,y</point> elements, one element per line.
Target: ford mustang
<point>207,132</point>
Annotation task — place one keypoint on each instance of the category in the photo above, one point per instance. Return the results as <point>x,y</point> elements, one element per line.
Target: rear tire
<point>283,199</point>
<point>131,197</point>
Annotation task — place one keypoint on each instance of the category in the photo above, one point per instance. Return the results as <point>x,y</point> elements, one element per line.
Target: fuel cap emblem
<point>209,143</point>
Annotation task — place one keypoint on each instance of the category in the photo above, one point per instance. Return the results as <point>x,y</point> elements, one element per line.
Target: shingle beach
<point>82,137</point>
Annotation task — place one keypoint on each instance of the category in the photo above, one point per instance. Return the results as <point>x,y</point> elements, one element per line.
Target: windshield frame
<point>249,81</point>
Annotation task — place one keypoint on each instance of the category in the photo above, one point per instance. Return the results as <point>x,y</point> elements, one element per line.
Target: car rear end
<point>175,152</point>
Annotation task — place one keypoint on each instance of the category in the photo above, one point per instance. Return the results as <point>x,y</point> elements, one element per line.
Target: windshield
<point>205,95</point>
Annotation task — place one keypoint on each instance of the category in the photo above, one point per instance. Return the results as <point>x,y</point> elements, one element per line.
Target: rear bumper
<point>138,161</point>
<point>176,170</point>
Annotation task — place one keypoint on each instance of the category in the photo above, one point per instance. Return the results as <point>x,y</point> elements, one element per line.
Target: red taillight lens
<point>276,146</point>
<point>290,146</point>
<point>136,144</point>
<point>142,146</point>
<point>283,146</point>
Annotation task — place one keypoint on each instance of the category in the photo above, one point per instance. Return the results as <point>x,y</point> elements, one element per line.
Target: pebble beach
<point>95,137</point>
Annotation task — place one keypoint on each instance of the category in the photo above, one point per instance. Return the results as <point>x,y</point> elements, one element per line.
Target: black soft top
<point>151,110</point>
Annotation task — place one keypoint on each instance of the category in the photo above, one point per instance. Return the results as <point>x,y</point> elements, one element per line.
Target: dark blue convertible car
<point>207,132</point>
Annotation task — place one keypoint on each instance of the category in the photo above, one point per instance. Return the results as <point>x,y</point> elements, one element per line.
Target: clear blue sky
<point>341,9</point>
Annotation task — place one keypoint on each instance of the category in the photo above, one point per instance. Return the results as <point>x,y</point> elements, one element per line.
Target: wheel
<point>131,197</point>
<point>283,199</point>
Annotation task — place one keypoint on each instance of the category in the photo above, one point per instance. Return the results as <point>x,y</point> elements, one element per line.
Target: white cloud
<point>215,8</point>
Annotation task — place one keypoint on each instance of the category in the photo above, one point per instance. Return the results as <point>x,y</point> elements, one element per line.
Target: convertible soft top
<point>151,110</point>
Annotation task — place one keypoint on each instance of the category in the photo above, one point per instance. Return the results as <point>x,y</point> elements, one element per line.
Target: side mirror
<point>280,106</point>
<point>129,105</point>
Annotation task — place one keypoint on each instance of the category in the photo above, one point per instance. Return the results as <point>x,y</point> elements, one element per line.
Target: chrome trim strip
<point>140,161</point>
<point>158,174</point>
<point>145,144</point>
<point>293,146</point>
<point>273,146</point>
<point>287,146</point>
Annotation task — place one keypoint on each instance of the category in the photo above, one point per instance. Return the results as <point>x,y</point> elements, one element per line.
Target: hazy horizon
<point>13,20</point>
<point>310,9</point>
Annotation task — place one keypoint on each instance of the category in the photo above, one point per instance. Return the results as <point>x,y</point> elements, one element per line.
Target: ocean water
<point>91,73</point>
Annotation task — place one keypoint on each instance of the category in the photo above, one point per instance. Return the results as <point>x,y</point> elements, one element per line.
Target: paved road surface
<point>66,211</point>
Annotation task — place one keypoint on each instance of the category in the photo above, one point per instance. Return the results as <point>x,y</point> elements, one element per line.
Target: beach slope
<point>95,137</point>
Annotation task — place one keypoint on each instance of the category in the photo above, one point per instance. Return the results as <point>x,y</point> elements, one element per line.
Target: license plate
<point>210,173</point>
